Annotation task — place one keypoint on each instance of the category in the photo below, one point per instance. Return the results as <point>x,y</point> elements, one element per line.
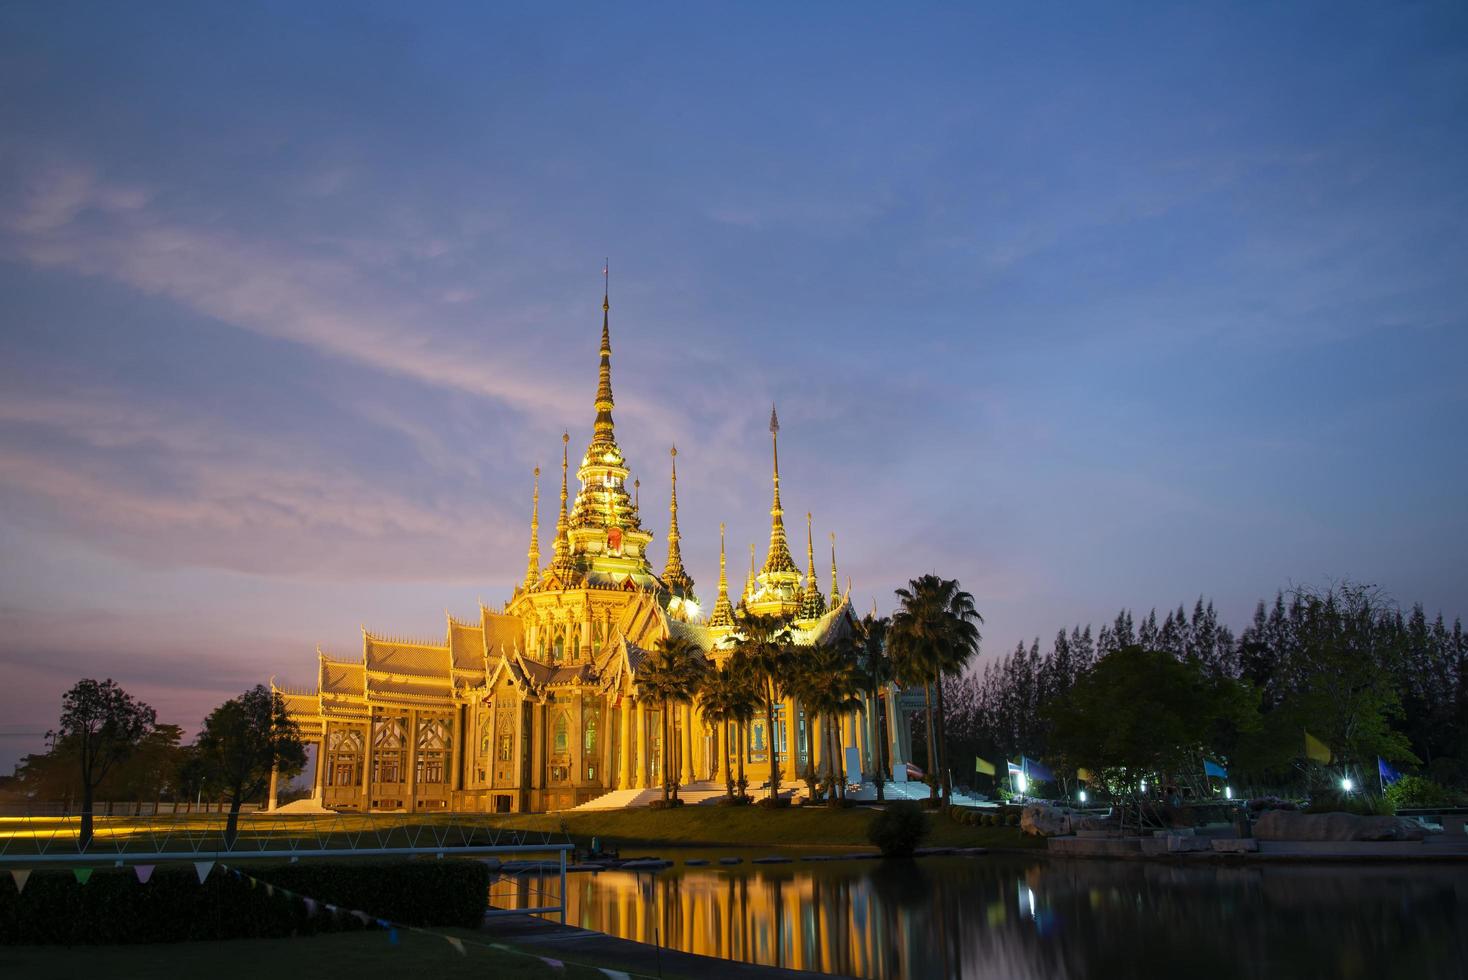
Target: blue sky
<point>1087,306</point>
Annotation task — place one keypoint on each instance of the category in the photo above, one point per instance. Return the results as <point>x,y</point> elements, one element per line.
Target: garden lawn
<point>348,955</point>
<point>752,826</point>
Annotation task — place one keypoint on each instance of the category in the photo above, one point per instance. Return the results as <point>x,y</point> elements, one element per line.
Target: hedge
<point>113,907</point>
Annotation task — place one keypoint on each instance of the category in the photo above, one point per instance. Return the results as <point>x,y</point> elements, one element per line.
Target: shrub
<point>1361,804</point>
<point>775,803</point>
<point>1419,791</point>
<point>114,907</point>
<point>667,804</point>
<point>899,829</point>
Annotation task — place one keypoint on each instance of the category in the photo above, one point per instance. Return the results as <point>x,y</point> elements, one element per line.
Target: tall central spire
<point>778,559</point>
<point>674,573</point>
<point>603,435</point>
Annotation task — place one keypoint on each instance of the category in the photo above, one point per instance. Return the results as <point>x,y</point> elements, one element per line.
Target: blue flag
<point>1386,772</point>
<point>1036,770</point>
<point>1211,768</point>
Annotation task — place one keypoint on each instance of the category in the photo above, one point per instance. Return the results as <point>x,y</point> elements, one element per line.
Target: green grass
<point>752,826</point>
<point>354,955</point>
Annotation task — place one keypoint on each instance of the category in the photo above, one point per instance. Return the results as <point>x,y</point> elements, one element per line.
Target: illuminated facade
<point>536,705</point>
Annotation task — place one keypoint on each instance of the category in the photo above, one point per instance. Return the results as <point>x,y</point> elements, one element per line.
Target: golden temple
<point>536,705</point>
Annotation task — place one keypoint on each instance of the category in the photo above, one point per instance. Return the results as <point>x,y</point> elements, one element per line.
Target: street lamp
<point>1347,785</point>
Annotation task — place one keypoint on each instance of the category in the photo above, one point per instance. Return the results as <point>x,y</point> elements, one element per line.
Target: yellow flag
<point>984,766</point>
<point>1316,749</point>
<point>1084,775</point>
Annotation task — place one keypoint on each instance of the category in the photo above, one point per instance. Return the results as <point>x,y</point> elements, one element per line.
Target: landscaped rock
<point>1290,825</point>
<point>1040,820</point>
<point>770,860</point>
<point>731,860</point>
<point>695,862</point>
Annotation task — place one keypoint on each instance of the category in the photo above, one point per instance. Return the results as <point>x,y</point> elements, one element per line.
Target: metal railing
<point>35,841</point>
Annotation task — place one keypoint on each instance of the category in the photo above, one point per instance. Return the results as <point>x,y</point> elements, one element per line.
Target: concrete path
<point>596,949</point>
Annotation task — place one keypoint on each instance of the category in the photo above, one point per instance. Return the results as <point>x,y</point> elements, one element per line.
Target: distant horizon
<point>1088,309</point>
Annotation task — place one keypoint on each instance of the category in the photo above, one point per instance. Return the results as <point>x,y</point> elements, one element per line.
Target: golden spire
<point>532,557</point>
<point>603,436</point>
<point>749,582</point>
<point>674,574</point>
<point>778,559</point>
<point>723,614</point>
<point>562,560</point>
<point>812,603</point>
<point>835,587</point>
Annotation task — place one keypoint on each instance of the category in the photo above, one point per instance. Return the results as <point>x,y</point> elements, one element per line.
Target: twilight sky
<point>1096,307</point>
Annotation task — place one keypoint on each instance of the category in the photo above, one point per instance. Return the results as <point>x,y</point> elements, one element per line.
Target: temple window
<point>434,742</point>
<point>593,717</point>
<point>387,749</point>
<point>561,742</point>
<point>343,759</point>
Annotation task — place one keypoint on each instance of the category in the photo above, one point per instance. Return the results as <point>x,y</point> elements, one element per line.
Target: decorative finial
<point>637,495</point>
<point>674,573</point>
<point>561,562</point>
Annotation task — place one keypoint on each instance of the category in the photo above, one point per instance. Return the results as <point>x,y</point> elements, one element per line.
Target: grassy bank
<point>751,826</point>
<point>358,955</point>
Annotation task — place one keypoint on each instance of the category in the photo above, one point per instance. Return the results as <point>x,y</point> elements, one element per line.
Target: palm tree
<point>876,668</point>
<point>765,640</point>
<point>671,676</point>
<point>833,685</point>
<point>934,633</point>
<point>801,683</point>
<point>727,698</point>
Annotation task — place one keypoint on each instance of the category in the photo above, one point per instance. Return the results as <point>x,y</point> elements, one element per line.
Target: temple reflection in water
<point>1006,916</point>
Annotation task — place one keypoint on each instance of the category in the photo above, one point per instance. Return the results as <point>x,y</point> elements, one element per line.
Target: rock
<point>1235,845</point>
<point>1290,825</point>
<point>695,862</point>
<point>646,864</point>
<point>1040,820</point>
<point>770,860</point>
<point>731,860</point>
<point>1184,843</point>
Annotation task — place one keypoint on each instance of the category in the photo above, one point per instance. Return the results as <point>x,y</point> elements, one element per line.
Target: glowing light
<point>692,608</point>
<point>1020,782</point>
<point>1081,796</point>
<point>1228,793</point>
<point>1347,785</point>
<point>1144,786</point>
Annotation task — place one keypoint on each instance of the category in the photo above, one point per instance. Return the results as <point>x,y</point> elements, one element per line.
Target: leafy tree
<point>101,725</point>
<point>933,634</point>
<point>671,676</point>
<point>1142,712</point>
<point>243,741</point>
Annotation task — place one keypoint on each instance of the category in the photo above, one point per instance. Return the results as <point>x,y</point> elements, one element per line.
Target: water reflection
<point>1020,917</point>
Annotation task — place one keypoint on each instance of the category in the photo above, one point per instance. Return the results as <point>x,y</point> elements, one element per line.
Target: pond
<point>1018,917</point>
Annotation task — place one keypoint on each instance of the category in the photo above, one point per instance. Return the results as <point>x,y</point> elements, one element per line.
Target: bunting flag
<point>616,974</point>
<point>144,872</point>
<point>552,963</point>
<point>392,937</point>
<point>82,874</point>
<point>1386,772</point>
<point>202,869</point>
<point>1316,749</point>
<point>1084,775</point>
<point>1014,770</point>
<point>310,906</point>
<point>21,876</point>
<point>366,919</point>
<point>984,766</point>
<point>1211,768</point>
<point>458,945</point>
<point>269,889</point>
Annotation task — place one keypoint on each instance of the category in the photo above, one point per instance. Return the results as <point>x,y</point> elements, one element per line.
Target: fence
<point>43,840</point>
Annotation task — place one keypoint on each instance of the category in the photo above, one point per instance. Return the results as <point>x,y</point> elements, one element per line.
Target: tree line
<point>1363,677</point>
<point>110,744</point>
